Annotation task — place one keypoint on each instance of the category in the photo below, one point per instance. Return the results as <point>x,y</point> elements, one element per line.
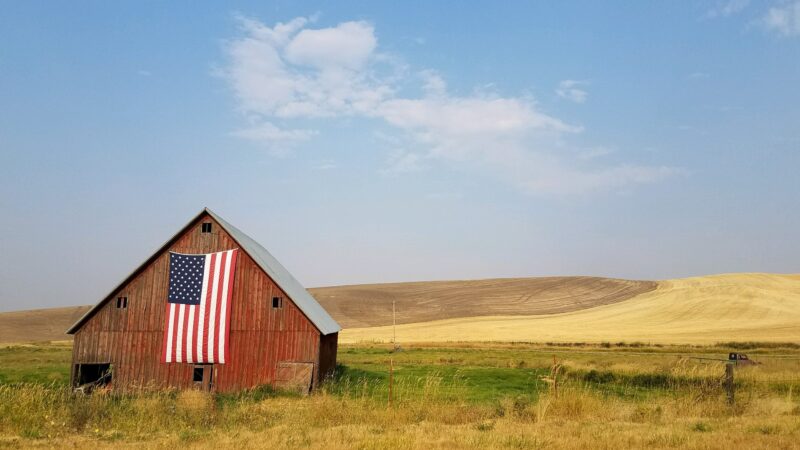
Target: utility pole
<point>394,327</point>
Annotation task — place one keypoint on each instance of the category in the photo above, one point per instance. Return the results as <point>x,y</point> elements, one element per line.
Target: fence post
<point>555,377</point>
<point>729,384</point>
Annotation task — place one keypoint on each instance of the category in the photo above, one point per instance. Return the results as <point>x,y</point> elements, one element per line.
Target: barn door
<point>203,376</point>
<point>294,376</point>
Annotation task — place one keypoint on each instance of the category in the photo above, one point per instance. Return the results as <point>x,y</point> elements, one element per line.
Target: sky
<point>370,142</point>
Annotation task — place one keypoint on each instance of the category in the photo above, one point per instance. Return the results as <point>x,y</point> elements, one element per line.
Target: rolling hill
<point>701,310</point>
<point>708,309</point>
<point>370,305</point>
<point>39,324</point>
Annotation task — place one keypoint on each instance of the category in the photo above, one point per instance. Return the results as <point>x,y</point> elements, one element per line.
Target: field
<point>478,395</point>
<point>38,324</point>
<point>702,310</point>
<point>369,305</point>
<point>637,364</point>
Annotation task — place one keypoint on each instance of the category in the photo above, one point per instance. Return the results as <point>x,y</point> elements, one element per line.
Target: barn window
<point>203,376</point>
<point>206,227</point>
<point>122,302</point>
<point>88,376</point>
<point>277,302</point>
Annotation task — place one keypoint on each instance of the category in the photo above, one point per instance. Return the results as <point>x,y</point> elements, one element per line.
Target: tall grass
<point>443,398</point>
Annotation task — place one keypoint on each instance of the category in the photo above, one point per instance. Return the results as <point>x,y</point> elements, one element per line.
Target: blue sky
<point>366,142</point>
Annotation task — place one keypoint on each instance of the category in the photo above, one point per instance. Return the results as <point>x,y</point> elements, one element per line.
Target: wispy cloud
<point>571,90</point>
<point>727,8</point>
<point>326,165</point>
<point>698,76</point>
<point>783,20</point>
<point>295,75</point>
<point>279,140</point>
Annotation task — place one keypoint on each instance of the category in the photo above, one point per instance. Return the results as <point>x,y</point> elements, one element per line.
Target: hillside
<point>38,324</point>
<point>708,309</point>
<point>737,307</point>
<point>371,304</point>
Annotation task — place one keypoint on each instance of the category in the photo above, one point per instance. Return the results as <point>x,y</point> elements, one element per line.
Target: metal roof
<point>296,292</point>
<point>299,295</point>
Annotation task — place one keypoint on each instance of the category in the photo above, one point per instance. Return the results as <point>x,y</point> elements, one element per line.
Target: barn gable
<point>282,278</point>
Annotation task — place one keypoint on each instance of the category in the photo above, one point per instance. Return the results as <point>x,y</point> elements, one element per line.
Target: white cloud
<point>784,20</point>
<point>269,133</point>
<point>570,90</point>
<point>346,46</point>
<point>404,162</point>
<point>727,8</point>
<point>293,73</point>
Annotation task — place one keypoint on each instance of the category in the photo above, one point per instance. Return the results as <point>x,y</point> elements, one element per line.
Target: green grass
<point>439,382</point>
<point>445,396</point>
<point>42,364</point>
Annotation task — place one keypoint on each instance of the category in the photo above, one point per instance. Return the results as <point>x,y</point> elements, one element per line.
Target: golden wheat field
<point>736,307</point>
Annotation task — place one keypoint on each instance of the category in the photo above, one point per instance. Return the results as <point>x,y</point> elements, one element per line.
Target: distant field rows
<point>369,305</point>
<point>737,307</point>
<point>702,310</point>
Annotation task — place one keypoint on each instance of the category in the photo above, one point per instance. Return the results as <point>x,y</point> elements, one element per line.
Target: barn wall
<point>260,336</point>
<point>327,354</point>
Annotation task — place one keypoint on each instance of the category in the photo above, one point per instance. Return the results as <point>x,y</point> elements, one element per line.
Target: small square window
<point>197,377</point>
<point>206,227</point>
<point>277,302</point>
<point>122,302</point>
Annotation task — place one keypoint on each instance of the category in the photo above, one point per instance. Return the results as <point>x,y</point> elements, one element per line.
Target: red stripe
<point>166,335</point>
<point>209,287</point>
<point>227,323</point>
<point>196,333</point>
<point>175,332</point>
<point>217,301</point>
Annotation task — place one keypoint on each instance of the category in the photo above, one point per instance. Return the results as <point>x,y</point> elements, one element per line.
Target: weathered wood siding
<point>260,336</point>
<point>327,354</point>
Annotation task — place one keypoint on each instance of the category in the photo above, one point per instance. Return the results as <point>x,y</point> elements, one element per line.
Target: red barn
<point>278,334</point>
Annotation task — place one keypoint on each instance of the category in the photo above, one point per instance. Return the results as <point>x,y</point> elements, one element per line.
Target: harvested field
<point>701,310</point>
<point>38,324</point>
<point>370,305</point>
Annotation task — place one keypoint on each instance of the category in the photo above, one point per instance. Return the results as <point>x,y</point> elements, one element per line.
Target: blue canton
<point>186,278</point>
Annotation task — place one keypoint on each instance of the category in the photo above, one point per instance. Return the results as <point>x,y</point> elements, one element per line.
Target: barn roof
<point>299,295</point>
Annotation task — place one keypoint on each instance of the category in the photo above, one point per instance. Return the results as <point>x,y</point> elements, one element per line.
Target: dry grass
<point>701,310</point>
<point>578,418</point>
<point>609,397</point>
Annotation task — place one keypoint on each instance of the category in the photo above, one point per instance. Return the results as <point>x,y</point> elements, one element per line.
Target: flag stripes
<point>196,328</point>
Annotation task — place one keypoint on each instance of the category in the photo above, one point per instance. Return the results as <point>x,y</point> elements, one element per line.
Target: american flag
<point>197,316</point>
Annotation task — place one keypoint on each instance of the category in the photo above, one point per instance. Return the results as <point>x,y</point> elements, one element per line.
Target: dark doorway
<point>90,376</point>
<point>203,376</point>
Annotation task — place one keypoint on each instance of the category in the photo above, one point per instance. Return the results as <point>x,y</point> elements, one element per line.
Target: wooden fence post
<point>729,384</point>
<point>555,377</point>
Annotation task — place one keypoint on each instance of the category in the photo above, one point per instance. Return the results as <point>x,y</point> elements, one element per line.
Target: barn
<point>271,330</point>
